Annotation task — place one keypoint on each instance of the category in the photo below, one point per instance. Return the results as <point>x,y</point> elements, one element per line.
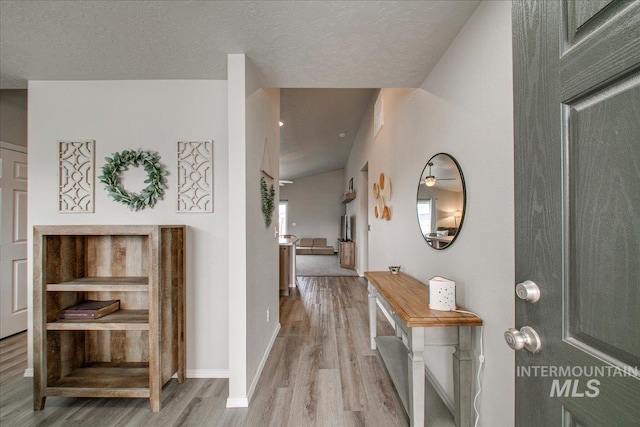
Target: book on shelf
<point>90,309</point>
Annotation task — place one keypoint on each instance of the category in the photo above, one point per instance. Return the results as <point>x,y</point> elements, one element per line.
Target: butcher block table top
<point>409,298</point>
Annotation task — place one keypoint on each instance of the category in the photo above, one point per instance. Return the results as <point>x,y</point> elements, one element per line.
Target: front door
<point>577,186</point>
<point>13,243</point>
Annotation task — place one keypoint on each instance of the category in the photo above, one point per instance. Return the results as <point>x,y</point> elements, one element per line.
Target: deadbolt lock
<point>528,291</point>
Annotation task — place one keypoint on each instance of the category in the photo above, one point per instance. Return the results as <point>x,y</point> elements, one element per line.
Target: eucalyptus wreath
<point>120,162</point>
<point>268,196</point>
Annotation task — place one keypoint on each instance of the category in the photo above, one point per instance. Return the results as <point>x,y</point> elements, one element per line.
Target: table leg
<point>372,317</point>
<point>416,377</point>
<point>293,281</point>
<point>463,378</point>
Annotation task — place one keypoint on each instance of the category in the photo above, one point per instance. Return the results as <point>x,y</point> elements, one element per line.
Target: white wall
<point>254,114</point>
<point>152,115</point>
<point>263,115</point>
<point>237,229</point>
<point>464,108</point>
<point>13,116</point>
<point>315,205</point>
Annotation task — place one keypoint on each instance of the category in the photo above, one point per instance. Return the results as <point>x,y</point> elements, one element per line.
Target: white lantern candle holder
<point>442,294</point>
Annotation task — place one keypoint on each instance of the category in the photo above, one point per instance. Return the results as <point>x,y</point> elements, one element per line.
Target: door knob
<point>526,337</point>
<point>528,291</point>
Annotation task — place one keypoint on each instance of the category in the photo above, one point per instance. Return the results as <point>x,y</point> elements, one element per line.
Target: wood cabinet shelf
<point>104,284</point>
<point>132,352</point>
<point>126,320</point>
<point>347,254</point>
<point>104,379</point>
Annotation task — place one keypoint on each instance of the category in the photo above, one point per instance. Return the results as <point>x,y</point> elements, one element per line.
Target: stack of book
<point>90,309</point>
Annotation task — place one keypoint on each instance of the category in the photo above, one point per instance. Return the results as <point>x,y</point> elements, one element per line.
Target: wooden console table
<point>417,326</point>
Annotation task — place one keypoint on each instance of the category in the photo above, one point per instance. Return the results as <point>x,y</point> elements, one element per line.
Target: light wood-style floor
<point>320,373</point>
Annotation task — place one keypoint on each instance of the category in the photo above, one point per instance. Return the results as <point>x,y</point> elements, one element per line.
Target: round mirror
<point>441,201</point>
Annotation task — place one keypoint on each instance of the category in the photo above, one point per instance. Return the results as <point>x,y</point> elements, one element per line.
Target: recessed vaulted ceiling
<point>296,44</point>
<point>310,141</point>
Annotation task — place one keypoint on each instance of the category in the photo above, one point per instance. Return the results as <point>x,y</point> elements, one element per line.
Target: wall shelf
<point>348,197</point>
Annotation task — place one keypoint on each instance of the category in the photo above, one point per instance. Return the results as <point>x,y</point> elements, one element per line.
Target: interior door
<point>13,243</point>
<point>577,186</point>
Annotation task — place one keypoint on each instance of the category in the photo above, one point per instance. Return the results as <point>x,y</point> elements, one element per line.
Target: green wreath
<point>120,162</point>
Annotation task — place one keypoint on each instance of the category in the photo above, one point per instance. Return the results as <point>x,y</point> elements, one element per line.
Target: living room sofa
<point>313,246</point>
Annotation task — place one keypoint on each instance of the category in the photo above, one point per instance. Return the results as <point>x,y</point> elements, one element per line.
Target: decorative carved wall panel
<point>76,176</point>
<point>195,176</point>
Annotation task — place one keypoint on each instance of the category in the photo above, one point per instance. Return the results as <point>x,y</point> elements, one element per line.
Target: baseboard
<point>438,388</point>
<point>243,402</point>
<point>265,356</point>
<point>206,373</point>
<point>28,372</point>
<point>237,402</point>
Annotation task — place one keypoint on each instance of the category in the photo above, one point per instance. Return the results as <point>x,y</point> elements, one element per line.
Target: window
<point>424,215</point>
<point>282,217</point>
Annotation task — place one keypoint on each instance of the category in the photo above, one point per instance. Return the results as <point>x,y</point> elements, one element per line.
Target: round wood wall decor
<point>387,188</point>
<point>386,214</point>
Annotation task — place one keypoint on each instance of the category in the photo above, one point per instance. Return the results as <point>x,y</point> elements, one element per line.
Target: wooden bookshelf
<point>132,352</point>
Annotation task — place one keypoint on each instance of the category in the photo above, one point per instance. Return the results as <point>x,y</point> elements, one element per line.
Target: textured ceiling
<point>310,141</point>
<point>296,44</point>
<point>357,44</point>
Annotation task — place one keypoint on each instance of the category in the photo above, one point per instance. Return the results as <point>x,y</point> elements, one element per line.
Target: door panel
<point>19,217</point>
<point>19,288</point>
<point>582,11</point>
<point>585,16</point>
<point>20,171</point>
<point>609,52</point>
<point>577,205</point>
<point>13,243</point>
<point>604,225</point>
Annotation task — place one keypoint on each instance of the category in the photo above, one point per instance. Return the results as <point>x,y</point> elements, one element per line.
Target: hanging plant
<point>268,196</point>
<point>120,162</point>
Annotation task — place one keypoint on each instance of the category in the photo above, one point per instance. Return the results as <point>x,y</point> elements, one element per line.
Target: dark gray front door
<point>577,207</point>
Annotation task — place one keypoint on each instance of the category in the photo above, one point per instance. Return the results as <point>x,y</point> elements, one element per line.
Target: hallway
<point>320,372</point>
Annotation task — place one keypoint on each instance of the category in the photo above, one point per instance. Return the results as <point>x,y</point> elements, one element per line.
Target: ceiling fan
<point>431,180</point>
<point>282,182</point>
